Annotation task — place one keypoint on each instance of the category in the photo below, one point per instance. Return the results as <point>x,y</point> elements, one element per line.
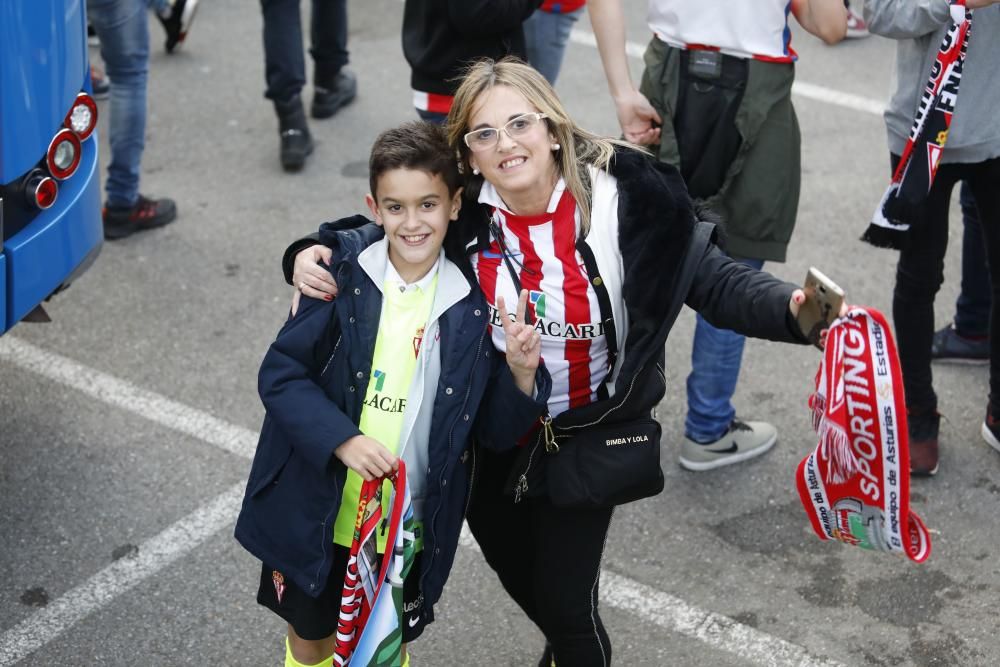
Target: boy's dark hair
<point>414,145</point>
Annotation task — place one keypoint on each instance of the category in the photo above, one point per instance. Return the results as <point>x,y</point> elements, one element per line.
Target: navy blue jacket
<point>313,381</point>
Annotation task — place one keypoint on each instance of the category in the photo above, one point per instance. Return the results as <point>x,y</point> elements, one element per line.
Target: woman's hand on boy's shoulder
<point>311,277</point>
<point>310,273</point>
<point>366,456</point>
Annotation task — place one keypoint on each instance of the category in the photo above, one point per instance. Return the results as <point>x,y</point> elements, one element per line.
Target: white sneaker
<point>743,440</point>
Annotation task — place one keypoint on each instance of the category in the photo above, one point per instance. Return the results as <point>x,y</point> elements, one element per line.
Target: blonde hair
<point>578,147</point>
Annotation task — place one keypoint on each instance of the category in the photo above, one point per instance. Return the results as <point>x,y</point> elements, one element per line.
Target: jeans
<point>972,308</point>
<point>715,366</point>
<point>920,273</point>
<point>546,34</point>
<point>547,558</point>
<point>122,27</point>
<point>284,61</point>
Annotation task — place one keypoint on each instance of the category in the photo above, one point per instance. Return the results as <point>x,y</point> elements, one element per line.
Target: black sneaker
<point>923,429</point>
<point>145,214</point>
<point>178,21</point>
<point>296,141</point>
<point>991,430</point>
<point>329,96</point>
<point>949,346</point>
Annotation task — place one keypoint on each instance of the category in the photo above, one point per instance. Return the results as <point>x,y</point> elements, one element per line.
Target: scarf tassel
<point>835,448</point>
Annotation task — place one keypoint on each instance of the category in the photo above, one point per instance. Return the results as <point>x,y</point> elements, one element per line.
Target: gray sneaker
<point>743,440</point>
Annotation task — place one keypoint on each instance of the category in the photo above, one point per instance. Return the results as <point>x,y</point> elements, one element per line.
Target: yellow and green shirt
<point>405,310</point>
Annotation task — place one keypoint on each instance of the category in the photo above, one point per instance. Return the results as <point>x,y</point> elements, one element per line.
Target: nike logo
<point>413,620</point>
<point>728,450</point>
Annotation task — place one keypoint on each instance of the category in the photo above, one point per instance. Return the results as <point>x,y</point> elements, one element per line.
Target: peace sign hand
<point>524,345</point>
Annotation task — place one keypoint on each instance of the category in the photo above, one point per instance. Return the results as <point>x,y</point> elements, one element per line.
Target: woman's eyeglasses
<point>486,138</point>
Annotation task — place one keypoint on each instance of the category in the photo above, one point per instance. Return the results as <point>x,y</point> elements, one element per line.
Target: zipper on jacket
<point>327,538</point>
<point>522,482</point>
<point>332,355</point>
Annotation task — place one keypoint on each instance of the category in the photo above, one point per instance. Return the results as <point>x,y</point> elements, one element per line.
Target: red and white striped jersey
<point>542,250</point>
<point>746,29</point>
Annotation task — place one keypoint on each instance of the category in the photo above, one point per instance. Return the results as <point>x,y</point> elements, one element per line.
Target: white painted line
<point>800,88</point>
<point>121,576</point>
<point>154,407</point>
<point>675,615</point>
<point>654,606</point>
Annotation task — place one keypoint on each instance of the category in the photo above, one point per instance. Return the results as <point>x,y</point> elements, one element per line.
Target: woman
<point>540,193</point>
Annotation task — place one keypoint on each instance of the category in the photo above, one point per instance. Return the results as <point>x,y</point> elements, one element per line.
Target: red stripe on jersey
<point>487,265</point>
<point>531,265</point>
<point>577,303</point>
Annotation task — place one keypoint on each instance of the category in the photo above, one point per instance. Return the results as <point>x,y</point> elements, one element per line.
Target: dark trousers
<point>920,273</point>
<point>548,560</point>
<point>284,60</point>
<point>972,308</point>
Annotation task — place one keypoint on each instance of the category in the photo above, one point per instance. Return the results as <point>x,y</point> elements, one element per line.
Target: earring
<point>475,171</point>
<point>556,147</point>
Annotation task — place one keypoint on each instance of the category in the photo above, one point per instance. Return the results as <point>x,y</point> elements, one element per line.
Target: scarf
<point>370,626</point>
<point>914,175</point>
<point>855,486</point>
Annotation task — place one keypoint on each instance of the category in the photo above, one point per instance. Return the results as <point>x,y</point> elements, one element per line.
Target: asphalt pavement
<point>127,423</point>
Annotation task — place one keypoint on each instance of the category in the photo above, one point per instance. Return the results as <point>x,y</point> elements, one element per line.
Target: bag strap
<point>607,314</point>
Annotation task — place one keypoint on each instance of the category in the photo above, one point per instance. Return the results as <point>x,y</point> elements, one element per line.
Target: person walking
<point>720,74</point>
<point>123,30</point>
<point>285,70</point>
<point>972,155</point>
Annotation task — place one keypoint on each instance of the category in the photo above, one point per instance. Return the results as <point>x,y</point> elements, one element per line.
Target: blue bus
<point>50,202</point>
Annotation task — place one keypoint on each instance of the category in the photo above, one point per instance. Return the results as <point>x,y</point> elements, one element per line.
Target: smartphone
<point>822,305</point>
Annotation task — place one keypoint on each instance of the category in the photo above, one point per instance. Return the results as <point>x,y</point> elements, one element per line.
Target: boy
<point>396,366</point>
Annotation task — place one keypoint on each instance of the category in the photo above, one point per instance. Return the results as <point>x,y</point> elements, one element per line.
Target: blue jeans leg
<point>972,309</point>
<point>715,366</point>
<point>546,34</point>
<point>123,30</point>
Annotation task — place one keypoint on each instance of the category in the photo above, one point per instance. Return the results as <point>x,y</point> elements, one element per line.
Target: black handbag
<point>598,465</point>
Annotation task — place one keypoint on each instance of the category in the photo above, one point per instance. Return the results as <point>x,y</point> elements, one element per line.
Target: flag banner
<point>918,164</point>
<point>855,486</point>
<point>370,627</point>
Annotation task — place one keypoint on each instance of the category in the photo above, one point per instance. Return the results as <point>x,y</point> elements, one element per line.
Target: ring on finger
<point>302,285</point>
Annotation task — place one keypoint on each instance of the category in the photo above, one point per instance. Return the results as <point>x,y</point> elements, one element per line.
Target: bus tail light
<point>63,156</point>
<point>40,190</point>
<point>82,117</point>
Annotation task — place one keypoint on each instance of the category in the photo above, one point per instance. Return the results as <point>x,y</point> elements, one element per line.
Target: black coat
<point>442,37</point>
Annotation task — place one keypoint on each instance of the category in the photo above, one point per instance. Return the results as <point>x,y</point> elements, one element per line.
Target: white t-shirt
<point>744,28</point>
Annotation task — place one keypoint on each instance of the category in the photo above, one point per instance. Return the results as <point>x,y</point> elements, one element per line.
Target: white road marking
<point>654,606</point>
<point>121,576</point>
<point>121,394</point>
<point>675,615</point>
<point>800,88</point>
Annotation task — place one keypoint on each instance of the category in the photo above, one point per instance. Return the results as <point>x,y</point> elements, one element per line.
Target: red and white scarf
<point>369,628</point>
<point>921,156</point>
<point>856,485</point>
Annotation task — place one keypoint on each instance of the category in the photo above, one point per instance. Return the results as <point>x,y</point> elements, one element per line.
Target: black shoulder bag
<point>606,463</point>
